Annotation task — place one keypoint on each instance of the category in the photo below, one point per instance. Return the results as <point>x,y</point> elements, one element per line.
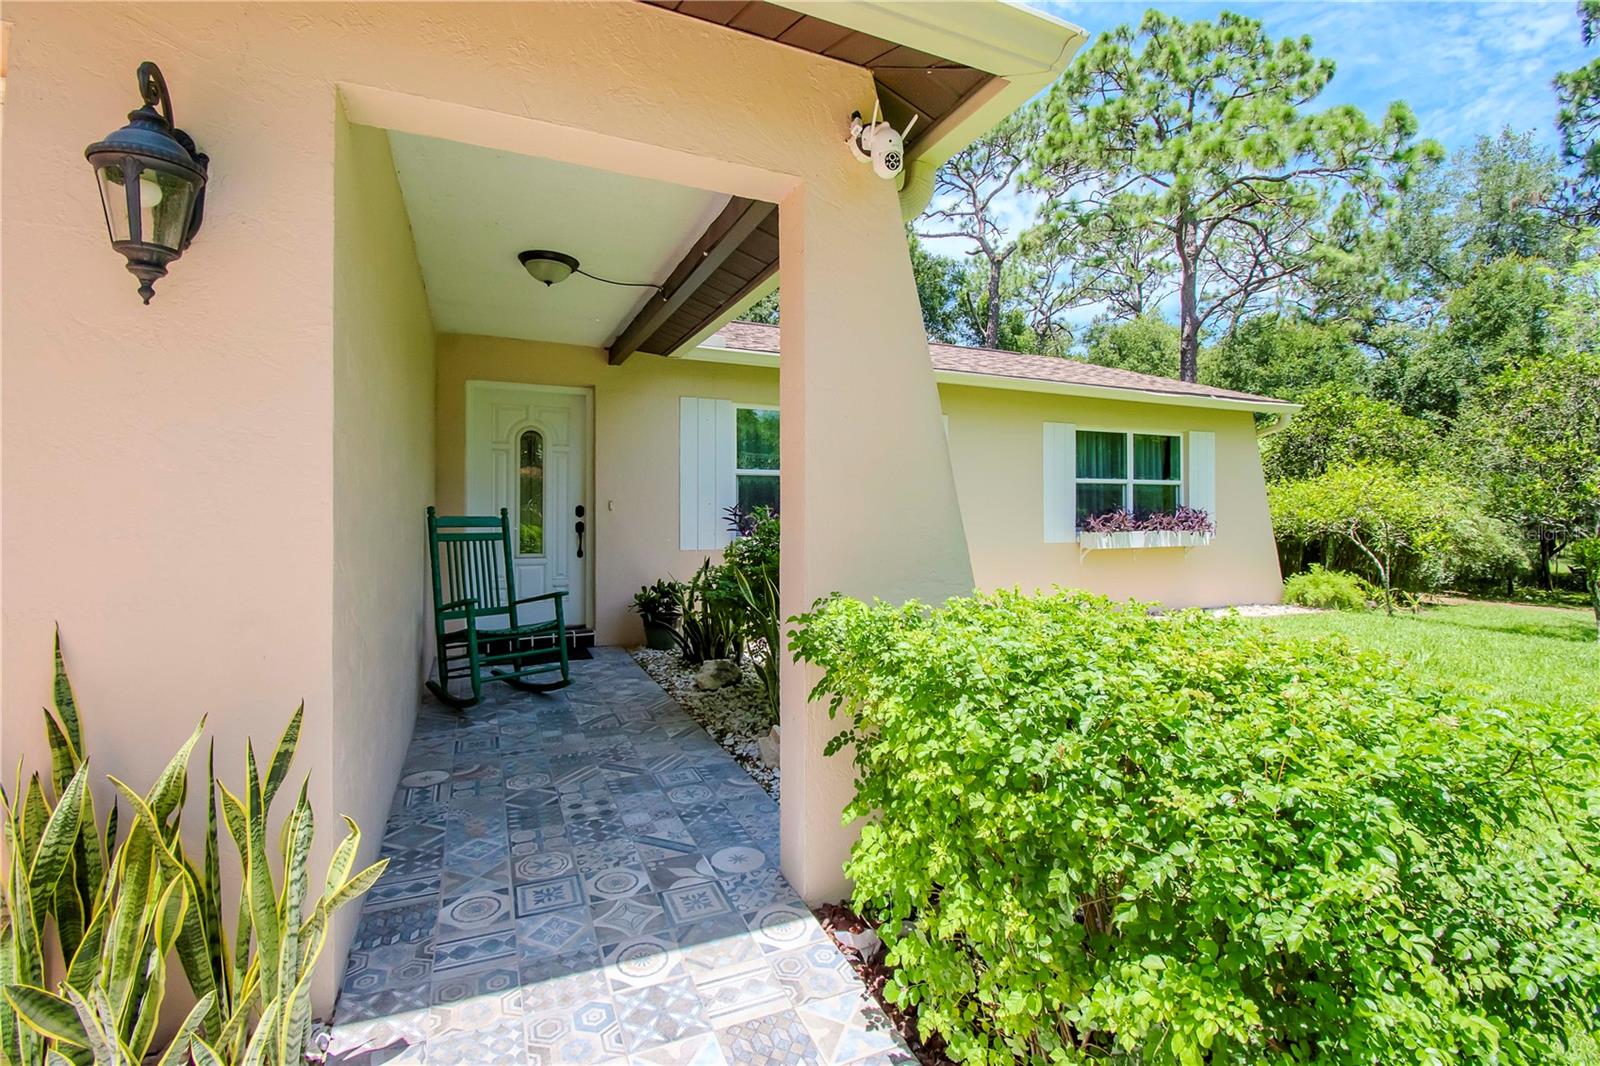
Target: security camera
<point>878,143</point>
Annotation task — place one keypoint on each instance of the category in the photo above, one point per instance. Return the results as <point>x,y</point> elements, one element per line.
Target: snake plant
<point>121,908</point>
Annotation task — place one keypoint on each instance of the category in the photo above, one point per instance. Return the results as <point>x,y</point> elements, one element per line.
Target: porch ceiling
<point>995,56</point>
<point>473,209</point>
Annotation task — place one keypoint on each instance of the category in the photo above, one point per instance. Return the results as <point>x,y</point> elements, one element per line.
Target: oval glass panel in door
<point>530,493</point>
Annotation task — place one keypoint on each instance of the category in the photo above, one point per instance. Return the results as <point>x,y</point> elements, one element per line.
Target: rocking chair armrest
<point>469,604</point>
<point>556,595</point>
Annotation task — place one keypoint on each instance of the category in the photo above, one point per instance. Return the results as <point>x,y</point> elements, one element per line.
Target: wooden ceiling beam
<point>726,232</point>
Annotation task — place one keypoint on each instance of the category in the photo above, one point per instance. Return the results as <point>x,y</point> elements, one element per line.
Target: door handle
<point>578,527</point>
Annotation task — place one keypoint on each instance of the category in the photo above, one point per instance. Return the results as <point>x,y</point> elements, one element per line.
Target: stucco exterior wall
<point>995,450</point>
<point>169,472</point>
<point>383,455</point>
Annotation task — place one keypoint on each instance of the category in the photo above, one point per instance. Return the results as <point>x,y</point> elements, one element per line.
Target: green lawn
<point>1545,654</point>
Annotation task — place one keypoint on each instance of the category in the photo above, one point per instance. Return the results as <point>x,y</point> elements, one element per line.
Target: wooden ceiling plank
<point>859,48</point>
<point>719,11</point>
<point>662,344</point>
<point>765,20</point>
<point>813,34</point>
<point>736,222</point>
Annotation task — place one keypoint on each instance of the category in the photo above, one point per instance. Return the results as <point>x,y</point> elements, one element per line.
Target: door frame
<point>476,386</point>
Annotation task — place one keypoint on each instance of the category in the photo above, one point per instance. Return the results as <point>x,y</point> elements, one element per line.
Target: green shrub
<point>751,561</point>
<point>713,622</point>
<point>1411,529</point>
<point>1328,590</point>
<point>1093,833</point>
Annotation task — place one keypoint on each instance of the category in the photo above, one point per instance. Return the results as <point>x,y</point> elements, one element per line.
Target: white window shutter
<point>1202,494</point>
<point>706,483</point>
<point>1060,482</point>
<point>725,486</point>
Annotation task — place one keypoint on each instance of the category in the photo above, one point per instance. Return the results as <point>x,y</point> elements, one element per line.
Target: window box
<point>1145,539</point>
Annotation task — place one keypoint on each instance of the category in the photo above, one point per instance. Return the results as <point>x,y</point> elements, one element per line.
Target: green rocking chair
<point>473,566</point>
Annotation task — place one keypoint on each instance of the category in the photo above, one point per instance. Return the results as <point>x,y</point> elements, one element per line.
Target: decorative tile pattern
<point>848,1027</point>
<point>660,1013</point>
<point>774,1040</point>
<point>585,877</point>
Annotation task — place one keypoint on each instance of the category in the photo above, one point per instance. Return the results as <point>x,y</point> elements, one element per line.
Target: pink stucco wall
<point>172,477</point>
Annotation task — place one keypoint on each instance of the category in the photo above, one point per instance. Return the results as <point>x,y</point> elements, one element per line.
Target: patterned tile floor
<point>586,877</point>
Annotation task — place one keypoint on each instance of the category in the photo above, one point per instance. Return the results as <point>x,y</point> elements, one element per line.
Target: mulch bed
<point>836,918</point>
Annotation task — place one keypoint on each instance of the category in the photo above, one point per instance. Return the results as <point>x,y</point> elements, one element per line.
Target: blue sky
<point>1465,68</point>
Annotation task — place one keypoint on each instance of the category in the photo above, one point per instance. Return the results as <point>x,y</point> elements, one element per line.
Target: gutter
<point>1279,424</point>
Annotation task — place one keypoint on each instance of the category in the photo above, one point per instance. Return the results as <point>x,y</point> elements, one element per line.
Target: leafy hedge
<point>1329,590</point>
<point>1095,833</point>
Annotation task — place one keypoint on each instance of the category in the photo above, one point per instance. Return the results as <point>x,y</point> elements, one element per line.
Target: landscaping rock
<point>768,746</point>
<point>864,943</point>
<point>717,673</point>
<point>736,716</point>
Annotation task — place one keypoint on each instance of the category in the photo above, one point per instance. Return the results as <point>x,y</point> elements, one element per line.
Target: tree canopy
<point>1201,132</point>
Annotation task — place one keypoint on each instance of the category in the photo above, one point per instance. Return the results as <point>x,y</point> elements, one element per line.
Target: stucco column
<point>869,503</point>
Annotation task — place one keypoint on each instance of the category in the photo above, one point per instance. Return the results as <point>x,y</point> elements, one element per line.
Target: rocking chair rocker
<point>472,562</point>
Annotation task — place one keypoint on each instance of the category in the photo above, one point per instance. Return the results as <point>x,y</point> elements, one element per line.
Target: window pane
<point>757,490</point>
<point>1102,454</point>
<point>530,494</point>
<point>1097,500</point>
<point>114,195</point>
<point>757,437</point>
<point>1156,458</point>
<point>164,208</point>
<point>1149,499</point>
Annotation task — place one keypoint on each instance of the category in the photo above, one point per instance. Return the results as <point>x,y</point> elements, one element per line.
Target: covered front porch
<point>585,877</point>
<point>250,455</point>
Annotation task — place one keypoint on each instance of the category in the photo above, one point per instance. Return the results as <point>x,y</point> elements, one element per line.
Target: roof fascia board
<point>1024,49</point>
<point>744,357</point>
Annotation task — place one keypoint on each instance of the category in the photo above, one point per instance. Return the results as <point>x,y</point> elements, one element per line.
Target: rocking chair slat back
<point>471,557</point>
<point>475,613</point>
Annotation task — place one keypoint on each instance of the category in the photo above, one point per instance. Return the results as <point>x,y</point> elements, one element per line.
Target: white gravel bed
<point>1265,610</point>
<point>736,716</point>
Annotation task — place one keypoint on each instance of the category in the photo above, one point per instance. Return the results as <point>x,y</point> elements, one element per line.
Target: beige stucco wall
<point>383,456</point>
<point>995,449</point>
<point>168,481</point>
<point>169,472</point>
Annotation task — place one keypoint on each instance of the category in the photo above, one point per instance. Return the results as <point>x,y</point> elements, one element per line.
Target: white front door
<point>528,451</point>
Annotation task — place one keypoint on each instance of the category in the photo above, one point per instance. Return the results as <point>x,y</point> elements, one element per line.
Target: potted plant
<point>658,607</point>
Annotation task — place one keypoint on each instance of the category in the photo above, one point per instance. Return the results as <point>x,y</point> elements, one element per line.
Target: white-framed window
<point>755,456</point>
<point>727,457</point>
<point>1094,471</point>
<point>1123,471</point>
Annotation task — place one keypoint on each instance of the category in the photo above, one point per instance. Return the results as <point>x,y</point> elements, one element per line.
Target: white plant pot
<point>1148,539</point>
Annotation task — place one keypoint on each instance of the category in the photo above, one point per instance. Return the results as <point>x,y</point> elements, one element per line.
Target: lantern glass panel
<point>165,201</point>
<point>114,198</point>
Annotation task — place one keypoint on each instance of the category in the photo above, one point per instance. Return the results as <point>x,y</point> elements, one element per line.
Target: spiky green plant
<point>121,909</point>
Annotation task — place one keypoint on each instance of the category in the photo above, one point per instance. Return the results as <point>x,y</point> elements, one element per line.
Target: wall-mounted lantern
<point>152,184</point>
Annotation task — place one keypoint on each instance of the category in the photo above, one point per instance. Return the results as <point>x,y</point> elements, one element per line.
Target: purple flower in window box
<point>1186,527</point>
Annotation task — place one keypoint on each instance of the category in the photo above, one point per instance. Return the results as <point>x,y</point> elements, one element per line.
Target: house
<point>217,490</point>
<point>689,436</point>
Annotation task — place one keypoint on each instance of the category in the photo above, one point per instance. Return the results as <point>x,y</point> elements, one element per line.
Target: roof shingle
<point>988,362</point>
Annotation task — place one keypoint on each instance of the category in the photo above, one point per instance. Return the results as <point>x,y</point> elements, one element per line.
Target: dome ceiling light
<point>551,268</point>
